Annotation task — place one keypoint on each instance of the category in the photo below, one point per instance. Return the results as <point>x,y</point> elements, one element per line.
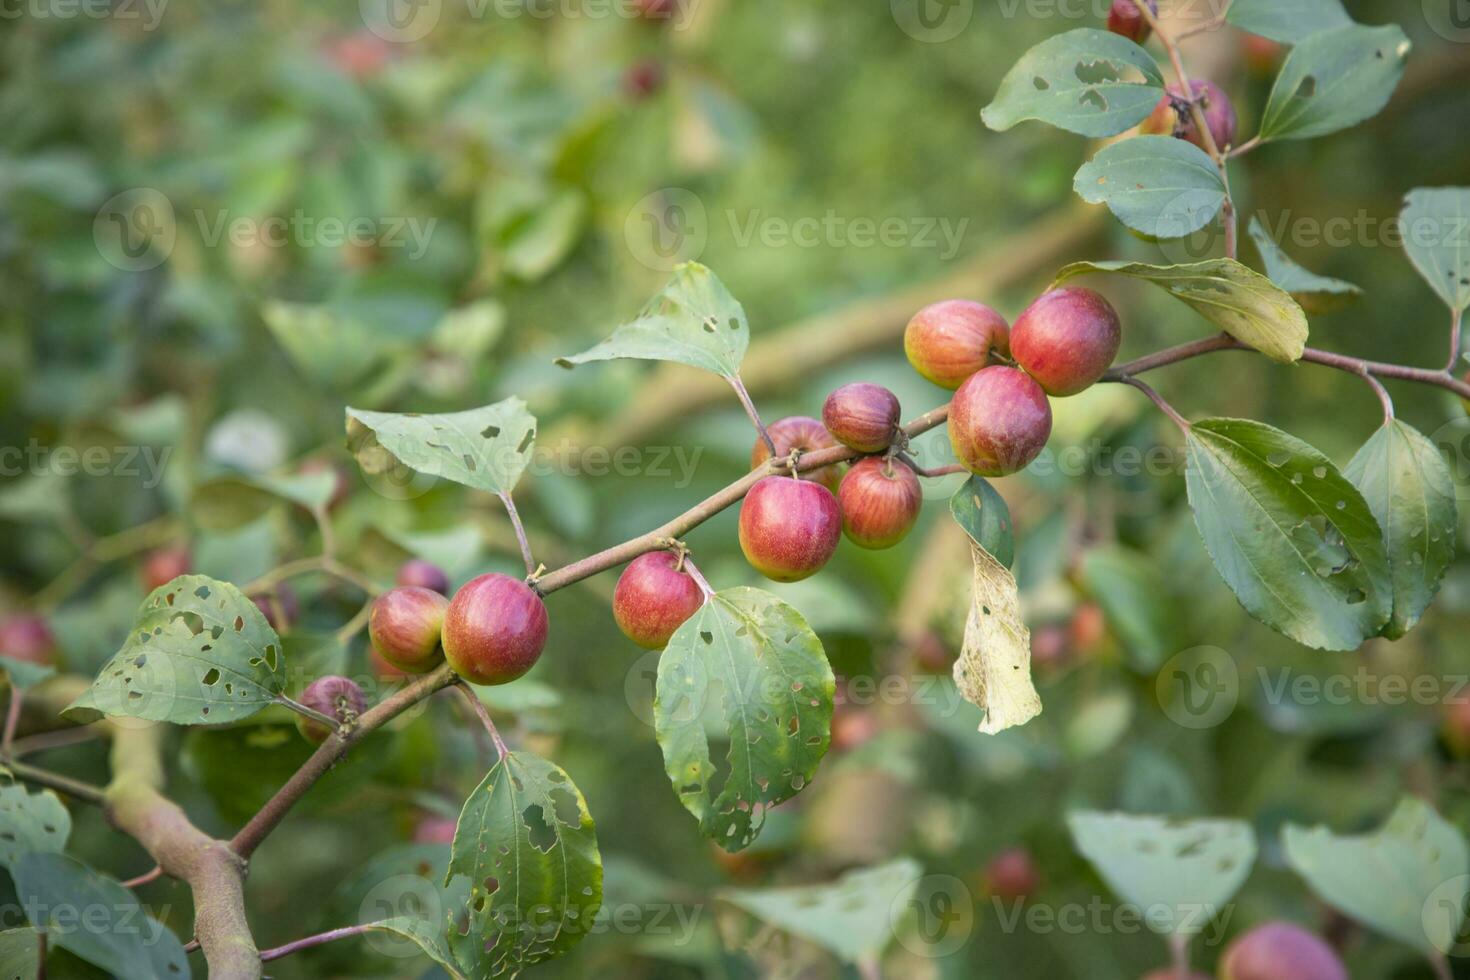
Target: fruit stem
<point>478,707</point>
<point>85,792</point>
<point>1179,956</point>
<point>749,406</point>
<point>1383,397</point>
<point>520,529</point>
<point>1440,966</point>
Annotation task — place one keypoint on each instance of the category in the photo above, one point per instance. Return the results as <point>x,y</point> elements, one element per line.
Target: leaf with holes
<point>1180,873</point>
<point>1159,186</point>
<point>30,822</point>
<point>1237,299</point>
<point>694,321</point>
<point>1287,21</point>
<point>993,670</point>
<point>1314,293</point>
<point>486,448</point>
<point>94,917</point>
<point>199,652</point>
<point>852,917</point>
<point>758,656</point>
<point>1334,80</point>
<point>983,513</point>
<point>20,954</point>
<point>1411,491</point>
<point>527,846</point>
<point>1435,223</point>
<point>1408,879</point>
<point>1088,82</point>
<point>1291,536</point>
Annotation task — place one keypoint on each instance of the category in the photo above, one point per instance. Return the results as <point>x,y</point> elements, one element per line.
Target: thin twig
<point>934,473</point>
<point>1158,400</point>
<point>85,792</point>
<point>1244,148</point>
<point>1457,318</point>
<point>749,406</point>
<point>12,720</point>
<point>148,877</point>
<point>61,737</point>
<point>324,527</point>
<point>520,529</point>
<point>478,707</point>
<point>355,625</point>
<point>303,709</point>
<point>266,955</point>
<point>1383,397</point>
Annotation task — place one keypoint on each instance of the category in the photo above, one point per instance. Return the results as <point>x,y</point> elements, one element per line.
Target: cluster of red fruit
<point>1172,116</point>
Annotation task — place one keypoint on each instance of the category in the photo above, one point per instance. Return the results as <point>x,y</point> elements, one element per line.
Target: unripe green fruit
<point>653,598</point>
<point>803,433</point>
<point>949,341</point>
<point>494,630</point>
<point>336,697</point>
<point>1067,340</point>
<point>405,624</point>
<point>1126,19</point>
<point>862,416</point>
<point>999,421</point>
<point>880,501</point>
<point>789,528</point>
<point>1281,951</point>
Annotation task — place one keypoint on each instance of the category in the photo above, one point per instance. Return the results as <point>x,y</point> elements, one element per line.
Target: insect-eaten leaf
<point>1159,186</point>
<point>1436,229</point>
<point>527,847</point>
<point>199,653</point>
<point>752,658</point>
<point>1314,293</point>
<point>485,448</point>
<point>993,671</point>
<point>1335,79</point>
<point>694,321</point>
<point>30,822</point>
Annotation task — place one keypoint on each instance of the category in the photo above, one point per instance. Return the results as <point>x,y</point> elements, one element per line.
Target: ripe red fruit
<point>334,696</point>
<point>27,638</point>
<point>424,574</point>
<point>1126,19</point>
<point>163,566</point>
<point>949,341</point>
<point>880,501</point>
<point>435,830</point>
<point>405,625</point>
<point>789,528</point>
<point>1088,627</point>
<point>999,421</point>
<point>642,79</point>
<point>1169,973</point>
<point>803,433</point>
<point>862,416</point>
<point>1067,339</point>
<point>1172,116</point>
<point>1011,874</point>
<point>653,598</point>
<point>495,629</point>
<point>1281,951</point>
<point>852,727</point>
<point>284,597</point>
<point>932,654</point>
<point>1455,728</point>
<point>1262,55</point>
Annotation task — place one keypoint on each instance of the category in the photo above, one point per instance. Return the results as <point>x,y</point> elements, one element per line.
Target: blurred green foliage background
<point>525,150</point>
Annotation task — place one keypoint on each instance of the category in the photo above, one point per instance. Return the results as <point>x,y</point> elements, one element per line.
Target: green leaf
<point>1317,294</point>
<point>760,655</point>
<point>1290,534</point>
<point>228,502</point>
<point>1407,880</point>
<point>20,954</point>
<point>1287,21</point>
<point>1085,81</point>
<point>983,513</point>
<point>330,346</point>
<point>1134,597</point>
<point>1180,873</point>
<point>527,845</point>
<point>486,448</point>
<point>1237,299</point>
<point>694,321</point>
<point>23,673</point>
<point>1411,491</point>
<point>199,652</point>
<point>431,937</point>
<point>1334,80</point>
<point>852,917</point>
<point>1436,229</point>
<point>30,822</point>
<point>1159,186</point>
<point>96,918</point>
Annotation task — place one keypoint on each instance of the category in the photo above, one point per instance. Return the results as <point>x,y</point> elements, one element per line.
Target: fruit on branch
<point>164,565</point>
<point>1011,874</point>
<point>495,629</point>
<point>1281,951</point>
<point>789,528</point>
<point>1126,19</point>
<point>1172,116</point>
<point>805,434</point>
<point>1067,340</point>
<point>947,342</point>
<point>999,421</point>
<point>880,499</point>
<point>653,598</point>
<point>1088,627</point>
<point>334,696</point>
<point>280,606</point>
<point>862,416</point>
<point>405,626</point>
<point>27,638</point>
<point>1455,726</point>
<point>424,574</point>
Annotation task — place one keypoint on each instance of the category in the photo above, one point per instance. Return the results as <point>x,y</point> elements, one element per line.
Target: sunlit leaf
<point>1085,81</point>
<point>486,448</point>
